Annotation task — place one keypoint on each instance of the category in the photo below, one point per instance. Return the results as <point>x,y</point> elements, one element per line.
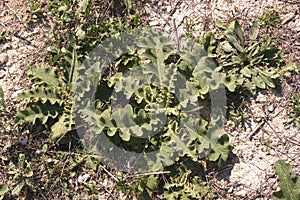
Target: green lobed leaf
<point>221,150</point>
<point>230,83</point>
<point>198,189</point>
<point>62,126</point>
<point>42,75</point>
<point>42,111</point>
<point>43,95</point>
<point>289,186</point>
<point>182,139</point>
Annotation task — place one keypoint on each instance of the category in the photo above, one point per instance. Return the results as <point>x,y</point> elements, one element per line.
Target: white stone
<point>153,23</point>
<point>2,74</point>
<point>241,193</point>
<point>230,190</point>
<point>3,58</point>
<point>83,178</point>
<point>271,108</point>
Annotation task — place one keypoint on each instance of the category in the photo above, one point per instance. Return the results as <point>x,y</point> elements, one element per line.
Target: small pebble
<point>7,46</point>
<point>23,141</point>
<point>241,193</point>
<point>272,152</point>
<point>2,73</point>
<point>287,126</point>
<point>258,119</point>
<point>8,64</point>
<point>59,192</point>
<point>169,9</point>
<point>153,23</point>
<point>271,108</point>
<point>3,58</point>
<point>230,190</point>
<point>83,178</point>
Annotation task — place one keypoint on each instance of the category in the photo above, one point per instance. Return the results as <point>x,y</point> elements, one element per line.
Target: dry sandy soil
<point>249,173</point>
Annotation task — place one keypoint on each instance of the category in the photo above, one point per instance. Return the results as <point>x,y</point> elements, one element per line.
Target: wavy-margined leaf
<point>93,119</point>
<point>198,189</point>
<point>201,84</point>
<point>230,83</point>
<point>185,185</point>
<point>62,126</point>
<point>154,39</point>
<point>194,55</point>
<point>221,150</point>
<point>145,93</point>
<point>151,75</point>
<point>159,75</point>
<point>205,74</point>
<point>42,111</point>
<point>126,121</point>
<point>181,139</point>
<point>158,49</point>
<point>208,40</point>
<point>43,95</point>
<point>42,75</point>
<point>289,186</point>
<point>157,56</point>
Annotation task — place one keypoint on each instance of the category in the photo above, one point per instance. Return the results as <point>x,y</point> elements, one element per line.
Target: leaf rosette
<point>146,116</point>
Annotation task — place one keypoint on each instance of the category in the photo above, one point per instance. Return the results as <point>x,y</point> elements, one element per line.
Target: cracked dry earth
<point>267,138</point>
